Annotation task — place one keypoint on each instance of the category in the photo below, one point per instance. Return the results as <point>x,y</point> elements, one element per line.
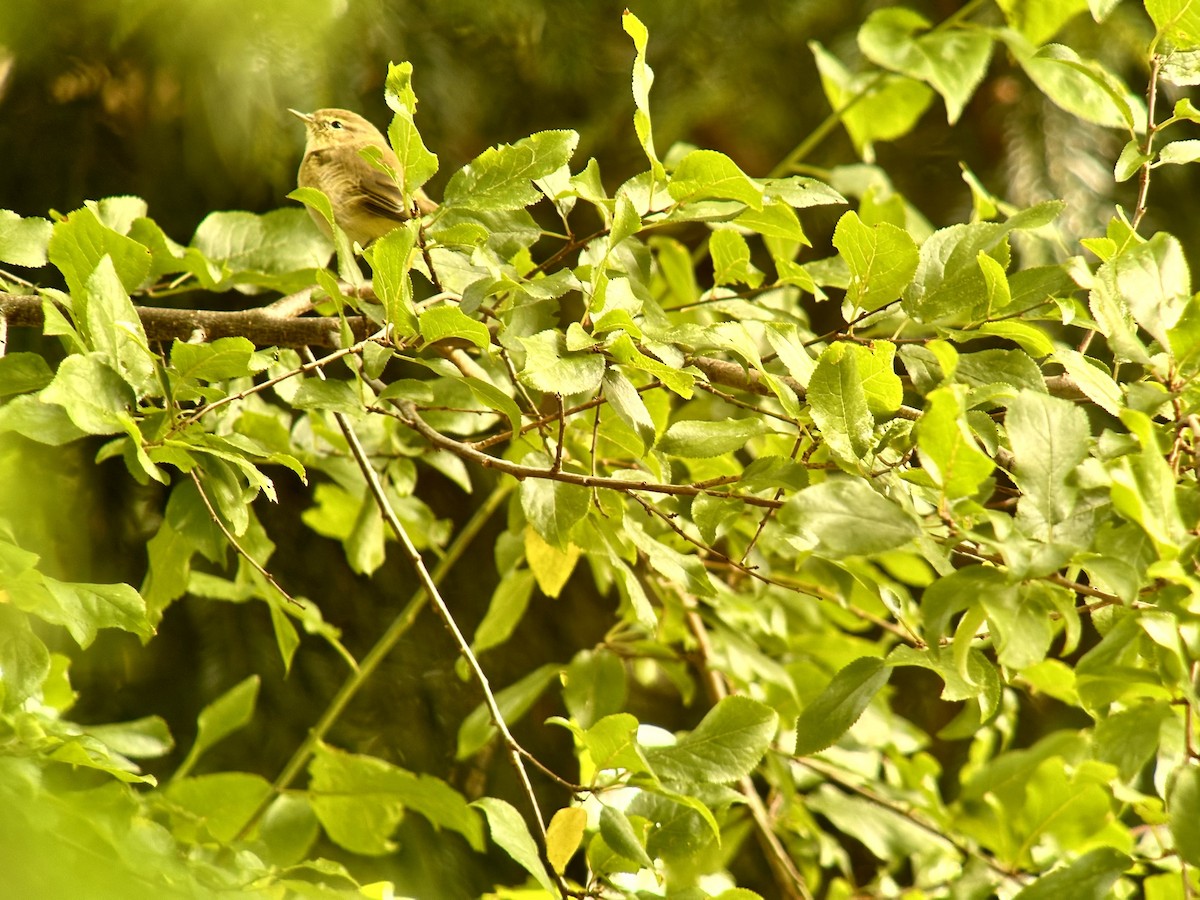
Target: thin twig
<point>241,551</point>
<point>542,422</point>
<point>375,656</point>
<point>407,413</point>
<point>562,430</point>
<point>1139,209</point>
<point>787,876</point>
<point>766,517</point>
<point>314,365</point>
<point>439,604</point>
<point>831,773</point>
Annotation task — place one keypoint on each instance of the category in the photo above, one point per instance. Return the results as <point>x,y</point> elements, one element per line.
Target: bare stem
<point>787,876</point>
<point>1139,209</point>
<point>241,551</point>
<point>514,751</point>
<point>407,413</point>
<point>376,655</point>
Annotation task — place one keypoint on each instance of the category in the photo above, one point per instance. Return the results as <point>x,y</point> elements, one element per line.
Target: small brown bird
<point>366,202</point>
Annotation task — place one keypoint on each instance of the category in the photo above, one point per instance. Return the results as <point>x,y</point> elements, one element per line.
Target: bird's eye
<point>335,124</point>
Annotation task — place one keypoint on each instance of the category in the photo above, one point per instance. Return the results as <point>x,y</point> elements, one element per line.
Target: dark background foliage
<point>185,106</point>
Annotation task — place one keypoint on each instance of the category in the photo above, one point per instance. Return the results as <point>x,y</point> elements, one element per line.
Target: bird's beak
<point>306,118</point>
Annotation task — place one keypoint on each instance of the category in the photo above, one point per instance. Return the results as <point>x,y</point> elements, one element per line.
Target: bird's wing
<point>380,196</point>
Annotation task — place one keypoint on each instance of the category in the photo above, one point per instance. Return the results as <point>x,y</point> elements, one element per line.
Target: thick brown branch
<point>162,324</point>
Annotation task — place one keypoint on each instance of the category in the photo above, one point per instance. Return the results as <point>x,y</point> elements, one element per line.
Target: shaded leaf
<point>840,705</point>
<point>847,518</point>
<point>726,745</point>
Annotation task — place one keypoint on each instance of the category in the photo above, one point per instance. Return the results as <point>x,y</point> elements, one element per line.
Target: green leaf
<point>417,163</point>
<point>1129,738</point>
<point>840,705</point>
<point>1179,153</point>
<point>1114,319</point>
<point>1040,21</point>
<point>947,447</point>
<point>80,241</point>
<point>1177,21</point>
<point>509,833</point>
<point>838,398</point>
<point>1153,281</point>
<point>111,325</point>
<point>709,175</point>
<point>800,192</point>
<point>145,738</point>
<point>682,569</point>
<point>1049,438</point>
<point>361,799</point>
<point>595,685</point>
<point>776,219</point>
<point>844,517</point>
<point>619,834</point>
<point>219,360</point>
<point>440,322</point>
<point>1183,807</point>
<point>949,285</point>
<point>1021,618</point>
<point>612,744</point>
<point>335,394</point>
<point>694,439</point>
<point>643,78</point>
<point>877,368</point>
<point>626,221</point>
<point>985,369</point>
<point>83,609</point>
<point>391,258</point>
<point>501,178</point>
<point>873,107</point>
<point>726,745</point>
<point>24,659</point>
<point>552,507</point>
<point>494,398</point>
<point>24,242</point>
<point>951,61</point>
<point>277,242</point>
<point>507,607</point>
<point>1144,488</point>
<point>1093,378</point>
<point>22,373</point>
<point>1084,89</point>
<point>881,258</point>
<point>514,701</point>
<point>223,801</point>
<point>1090,877</point>
<point>551,367</point>
<point>731,259</point>
<point>627,403</point>
<point>684,827</point>
<point>679,381</point>
<point>47,423</point>
<point>221,718</point>
<point>95,397</point>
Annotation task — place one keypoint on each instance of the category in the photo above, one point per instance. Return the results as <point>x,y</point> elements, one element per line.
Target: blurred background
<point>184,104</point>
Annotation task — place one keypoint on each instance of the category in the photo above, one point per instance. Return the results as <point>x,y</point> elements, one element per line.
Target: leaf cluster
<point>987,473</point>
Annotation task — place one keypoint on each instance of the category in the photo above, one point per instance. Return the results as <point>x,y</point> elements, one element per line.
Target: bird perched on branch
<point>366,202</point>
